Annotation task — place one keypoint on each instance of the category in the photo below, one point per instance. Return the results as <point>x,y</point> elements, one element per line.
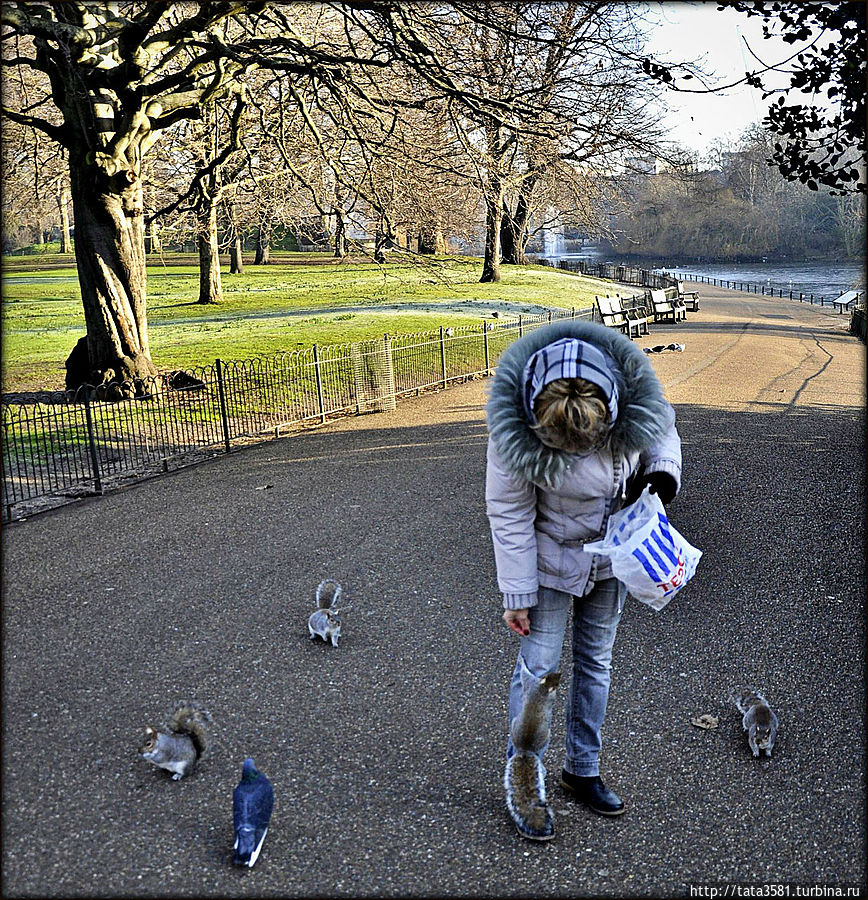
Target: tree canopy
<point>819,145</point>
<point>819,116</point>
<point>351,91</point>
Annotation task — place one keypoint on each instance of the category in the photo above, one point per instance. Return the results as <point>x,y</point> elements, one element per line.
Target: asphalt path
<point>386,754</point>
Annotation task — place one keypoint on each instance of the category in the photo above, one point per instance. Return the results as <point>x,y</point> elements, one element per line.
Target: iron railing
<point>614,272</point>
<point>765,289</point>
<point>86,443</point>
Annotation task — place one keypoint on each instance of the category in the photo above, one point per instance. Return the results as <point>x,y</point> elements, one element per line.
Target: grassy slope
<point>281,306</point>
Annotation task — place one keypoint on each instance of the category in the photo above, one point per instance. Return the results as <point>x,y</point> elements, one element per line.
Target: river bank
<point>828,279</point>
<point>821,278</point>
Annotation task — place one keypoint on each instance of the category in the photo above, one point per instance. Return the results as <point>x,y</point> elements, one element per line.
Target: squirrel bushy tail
<point>524,778</point>
<point>531,727</point>
<point>739,696</point>
<point>190,718</point>
<point>328,599</point>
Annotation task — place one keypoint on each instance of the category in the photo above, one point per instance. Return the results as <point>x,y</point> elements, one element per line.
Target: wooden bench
<point>628,319</point>
<point>846,300</point>
<point>665,309</point>
<point>690,299</point>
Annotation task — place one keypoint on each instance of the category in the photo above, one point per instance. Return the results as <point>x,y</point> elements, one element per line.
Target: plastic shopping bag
<point>648,555</point>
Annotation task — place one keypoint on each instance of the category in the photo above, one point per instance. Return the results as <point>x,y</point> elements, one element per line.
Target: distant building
<point>645,165</point>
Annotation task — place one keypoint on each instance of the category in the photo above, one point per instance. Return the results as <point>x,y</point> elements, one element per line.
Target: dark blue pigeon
<point>252,802</point>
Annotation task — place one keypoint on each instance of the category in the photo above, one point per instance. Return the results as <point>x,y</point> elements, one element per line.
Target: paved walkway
<point>386,753</point>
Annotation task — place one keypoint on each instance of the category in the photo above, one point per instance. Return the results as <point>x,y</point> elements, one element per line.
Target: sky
<point>700,32</point>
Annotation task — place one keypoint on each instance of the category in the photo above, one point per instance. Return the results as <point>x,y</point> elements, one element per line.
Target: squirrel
<point>524,778</point>
<point>179,749</point>
<point>759,721</point>
<point>324,621</point>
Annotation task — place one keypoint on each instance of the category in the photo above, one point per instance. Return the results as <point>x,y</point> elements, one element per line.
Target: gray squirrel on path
<point>759,721</point>
<point>324,621</point>
<point>524,778</point>
<point>183,745</point>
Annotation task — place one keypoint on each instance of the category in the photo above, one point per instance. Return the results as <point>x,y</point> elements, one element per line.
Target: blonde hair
<point>572,415</point>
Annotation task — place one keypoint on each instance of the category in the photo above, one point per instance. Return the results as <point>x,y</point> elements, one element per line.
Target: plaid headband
<point>568,358</point>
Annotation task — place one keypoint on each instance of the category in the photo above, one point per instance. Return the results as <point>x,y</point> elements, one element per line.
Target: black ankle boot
<point>591,791</point>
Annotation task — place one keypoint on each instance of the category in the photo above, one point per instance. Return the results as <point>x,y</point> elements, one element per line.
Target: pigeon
<point>661,347</point>
<point>252,801</point>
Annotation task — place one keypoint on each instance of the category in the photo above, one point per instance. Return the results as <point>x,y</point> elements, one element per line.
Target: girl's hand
<point>518,620</point>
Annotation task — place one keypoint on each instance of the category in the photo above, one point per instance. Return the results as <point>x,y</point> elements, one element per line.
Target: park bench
<point>614,314</point>
<point>665,309</point>
<point>846,300</point>
<point>690,299</point>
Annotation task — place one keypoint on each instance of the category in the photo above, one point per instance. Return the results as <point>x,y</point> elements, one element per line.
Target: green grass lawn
<point>296,302</point>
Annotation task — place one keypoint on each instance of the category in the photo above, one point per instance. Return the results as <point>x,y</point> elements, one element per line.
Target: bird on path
<point>252,802</point>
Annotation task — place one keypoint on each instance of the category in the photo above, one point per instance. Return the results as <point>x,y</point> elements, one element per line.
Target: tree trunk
<point>153,244</point>
<point>431,241</point>
<point>263,245</point>
<point>381,241</point>
<point>514,235</point>
<point>520,234</point>
<point>236,259</point>
<point>210,285</point>
<point>379,248</point>
<point>426,241</point>
<point>63,206</point>
<point>493,214</point>
<point>110,256</point>
<point>340,235</point>
<point>510,239</point>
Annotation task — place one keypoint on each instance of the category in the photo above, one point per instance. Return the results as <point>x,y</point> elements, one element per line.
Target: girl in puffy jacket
<point>578,425</point>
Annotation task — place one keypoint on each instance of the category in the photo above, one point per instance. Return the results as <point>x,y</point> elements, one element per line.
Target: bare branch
<point>55,132</point>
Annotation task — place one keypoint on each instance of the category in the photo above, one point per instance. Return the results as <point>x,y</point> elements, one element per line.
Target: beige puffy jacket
<point>544,504</point>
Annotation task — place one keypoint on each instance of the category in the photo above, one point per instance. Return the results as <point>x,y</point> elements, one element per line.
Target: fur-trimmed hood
<point>642,418</point>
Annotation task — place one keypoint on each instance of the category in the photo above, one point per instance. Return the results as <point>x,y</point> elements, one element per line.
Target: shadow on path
<point>386,754</point>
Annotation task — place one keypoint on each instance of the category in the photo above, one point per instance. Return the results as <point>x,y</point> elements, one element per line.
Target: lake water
<point>822,279</point>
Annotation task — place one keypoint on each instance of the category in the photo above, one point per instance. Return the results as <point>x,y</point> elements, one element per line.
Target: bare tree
<point>819,117</point>
<point>561,95</point>
<point>209,153</point>
<point>114,76</point>
<point>36,179</point>
<point>118,79</point>
<point>738,207</point>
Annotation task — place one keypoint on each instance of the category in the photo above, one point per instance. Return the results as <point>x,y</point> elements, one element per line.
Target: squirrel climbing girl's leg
<point>524,778</point>
<point>540,651</point>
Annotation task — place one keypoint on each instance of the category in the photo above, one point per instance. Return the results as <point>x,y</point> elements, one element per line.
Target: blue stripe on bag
<point>626,521</point>
<point>667,547</point>
<point>656,557</point>
<point>650,571</point>
<point>663,521</point>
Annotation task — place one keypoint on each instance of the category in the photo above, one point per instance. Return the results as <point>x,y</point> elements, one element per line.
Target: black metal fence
<point>613,272</point>
<point>671,280</point>
<point>765,290</point>
<point>77,445</point>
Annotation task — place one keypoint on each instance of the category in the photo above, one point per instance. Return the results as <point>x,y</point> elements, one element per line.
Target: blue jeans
<point>595,621</point>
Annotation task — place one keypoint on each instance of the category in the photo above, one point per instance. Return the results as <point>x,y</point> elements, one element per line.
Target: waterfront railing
<point>763,289</point>
<point>632,275</point>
